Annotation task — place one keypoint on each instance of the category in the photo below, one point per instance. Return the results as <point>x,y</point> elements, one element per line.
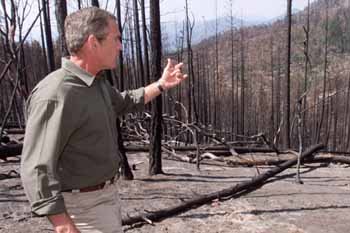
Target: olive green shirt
<point>70,139</point>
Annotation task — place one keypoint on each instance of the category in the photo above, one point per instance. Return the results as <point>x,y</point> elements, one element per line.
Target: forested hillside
<point>255,58</point>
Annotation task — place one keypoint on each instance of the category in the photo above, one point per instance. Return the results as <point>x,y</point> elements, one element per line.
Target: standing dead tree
<point>139,60</point>
<point>243,81</point>
<point>145,41</point>
<point>15,58</point>
<point>61,13</point>
<point>155,156</point>
<point>126,172</point>
<point>286,106</point>
<point>325,70</point>
<point>192,112</point>
<point>48,36</point>
<point>306,69</point>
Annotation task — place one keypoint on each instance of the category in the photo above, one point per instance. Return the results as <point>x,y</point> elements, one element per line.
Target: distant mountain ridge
<point>204,29</point>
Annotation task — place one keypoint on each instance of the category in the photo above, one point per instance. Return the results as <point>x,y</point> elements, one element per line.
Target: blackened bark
<point>79,4</point>
<point>125,172</point>
<point>43,46</point>
<point>325,70</point>
<point>145,41</point>
<point>155,159</point>
<point>140,69</point>
<point>49,43</point>
<point>121,59</point>
<point>286,105</point>
<point>95,3</point>
<point>61,13</point>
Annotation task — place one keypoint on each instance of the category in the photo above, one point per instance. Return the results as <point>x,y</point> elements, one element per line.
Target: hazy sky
<point>173,10</point>
<point>248,9</point>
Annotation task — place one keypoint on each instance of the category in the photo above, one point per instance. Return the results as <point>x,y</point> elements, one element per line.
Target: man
<point>69,159</point>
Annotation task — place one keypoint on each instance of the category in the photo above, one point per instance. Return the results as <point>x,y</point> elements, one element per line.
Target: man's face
<point>110,47</point>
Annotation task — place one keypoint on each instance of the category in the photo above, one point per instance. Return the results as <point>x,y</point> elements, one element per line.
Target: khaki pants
<point>97,211</point>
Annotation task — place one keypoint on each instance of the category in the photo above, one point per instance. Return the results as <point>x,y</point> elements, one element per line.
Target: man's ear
<point>92,42</point>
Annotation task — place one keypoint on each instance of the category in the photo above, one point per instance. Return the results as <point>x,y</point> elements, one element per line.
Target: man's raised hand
<point>172,75</point>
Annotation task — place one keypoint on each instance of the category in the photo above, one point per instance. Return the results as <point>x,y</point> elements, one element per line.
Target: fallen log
<point>5,139</point>
<point>234,191</point>
<point>10,151</point>
<point>248,162</point>
<point>14,131</point>
<point>276,162</point>
<point>332,159</point>
<point>219,150</point>
<point>16,149</point>
<point>216,149</point>
<point>10,175</point>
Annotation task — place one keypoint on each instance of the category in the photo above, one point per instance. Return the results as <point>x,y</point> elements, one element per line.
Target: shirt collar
<point>82,74</point>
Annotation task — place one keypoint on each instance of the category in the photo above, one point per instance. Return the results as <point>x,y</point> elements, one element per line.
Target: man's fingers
<point>184,76</point>
<point>169,64</point>
<point>178,66</point>
<point>181,76</point>
<point>175,72</point>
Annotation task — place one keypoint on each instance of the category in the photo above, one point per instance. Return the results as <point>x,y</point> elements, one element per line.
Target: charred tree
<point>95,3</point>
<point>126,172</point>
<point>347,121</point>
<point>286,104</point>
<point>145,41</point>
<point>139,59</point>
<point>216,75</point>
<point>272,67</point>
<point>43,46</point>
<point>155,156</point>
<point>232,71</point>
<point>79,4</point>
<point>121,57</point>
<point>243,83</point>
<point>61,13</point>
<point>325,70</point>
<point>48,36</point>
<point>306,69</point>
<point>192,116</point>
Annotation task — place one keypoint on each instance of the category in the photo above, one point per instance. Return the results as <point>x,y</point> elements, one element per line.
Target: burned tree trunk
<point>286,105</point>
<point>48,35</point>
<point>145,41</point>
<point>306,69</point>
<point>243,83</point>
<point>140,69</point>
<point>79,4</point>
<point>95,3</point>
<point>10,150</point>
<point>43,46</point>
<point>325,70</point>
<point>155,156</point>
<point>121,57</point>
<point>61,13</point>
<point>126,172</point>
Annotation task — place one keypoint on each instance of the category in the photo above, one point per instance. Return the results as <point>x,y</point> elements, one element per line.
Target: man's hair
<point>83,23</point>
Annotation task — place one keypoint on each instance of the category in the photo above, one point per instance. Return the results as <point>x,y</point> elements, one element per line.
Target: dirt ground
<point>320,205</point>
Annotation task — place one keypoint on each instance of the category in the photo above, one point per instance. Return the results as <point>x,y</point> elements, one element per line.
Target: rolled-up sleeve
<point>47,133</point>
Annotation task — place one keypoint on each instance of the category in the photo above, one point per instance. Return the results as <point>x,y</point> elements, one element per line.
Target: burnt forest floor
<point>320,205</point>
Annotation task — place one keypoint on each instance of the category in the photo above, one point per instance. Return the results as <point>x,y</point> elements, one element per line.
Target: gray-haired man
<point>69,157</point>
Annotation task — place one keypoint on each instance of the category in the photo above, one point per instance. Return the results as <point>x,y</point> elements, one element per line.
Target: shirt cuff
<point>49,206</point>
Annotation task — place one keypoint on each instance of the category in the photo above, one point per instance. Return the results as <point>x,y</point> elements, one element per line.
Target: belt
<point>91,188</point>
